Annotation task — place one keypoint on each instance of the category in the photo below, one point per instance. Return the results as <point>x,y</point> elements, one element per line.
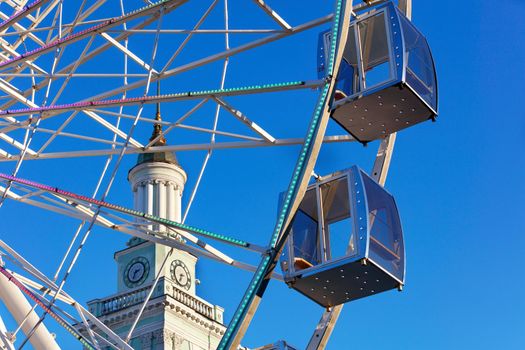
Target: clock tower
<point>175,317</point>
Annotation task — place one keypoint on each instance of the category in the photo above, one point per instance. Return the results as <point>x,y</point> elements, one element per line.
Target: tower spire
<point>157,127</point>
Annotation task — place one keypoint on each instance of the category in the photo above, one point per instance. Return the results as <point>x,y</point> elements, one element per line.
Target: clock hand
<point>183,278</point>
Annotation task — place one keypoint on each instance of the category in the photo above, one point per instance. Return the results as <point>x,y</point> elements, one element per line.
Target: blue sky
<point>455,182</point>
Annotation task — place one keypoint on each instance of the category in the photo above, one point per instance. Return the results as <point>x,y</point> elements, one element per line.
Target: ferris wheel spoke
<point>88,56</point>
<point>273,15</point>
<point>128,53</point>
<point>201,249</point>
<point>16,144</point>
<point>28,63</point>
<point>216,57</point>
<point>245,120</point>
<point>68,78</point>
<point>197,31</point>
<point>189,36</point>
<point>80,137</point>
<point>17,16</point>
<point>115,130</point>
<point>65,26</point>
<point>57,132</point>
<point>182,147</point>
<point>86,214</point>
<point>218,132</point>
<point>12,47</point>
<point>72,38</point>
<point>48,111</point>
<point>178,121</point>
<point>21,29</point>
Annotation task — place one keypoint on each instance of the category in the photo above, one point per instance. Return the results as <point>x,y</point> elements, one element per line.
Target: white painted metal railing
<point>102,307</point>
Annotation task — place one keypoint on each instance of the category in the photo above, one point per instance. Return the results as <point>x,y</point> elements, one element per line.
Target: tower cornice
<point>157,171</point>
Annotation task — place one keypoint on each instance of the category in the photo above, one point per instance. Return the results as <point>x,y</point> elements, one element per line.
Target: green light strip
<point>246,88</point>
<point>304,157</point>
<point>161,98</point>
<point>195,230</point>
<point>159,220</point>
<point>131,212</point>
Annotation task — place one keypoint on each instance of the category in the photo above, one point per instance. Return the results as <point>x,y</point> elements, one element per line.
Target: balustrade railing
<point>101,307</point>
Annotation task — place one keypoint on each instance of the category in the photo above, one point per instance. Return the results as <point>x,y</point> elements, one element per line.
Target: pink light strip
<point>127,211</point>
<point>24,11</point>
<point>53,314</point>
<point>71,38</point>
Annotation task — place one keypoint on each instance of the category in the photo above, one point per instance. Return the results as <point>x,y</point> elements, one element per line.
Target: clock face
<point>180,274</point>
<point>136,272</point>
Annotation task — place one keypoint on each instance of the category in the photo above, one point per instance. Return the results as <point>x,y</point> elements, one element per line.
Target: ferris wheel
<point>79,81</point>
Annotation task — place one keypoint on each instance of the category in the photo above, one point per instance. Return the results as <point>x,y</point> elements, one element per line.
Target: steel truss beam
<point>47,111</point>
<point>245,120</point>
<point>88,56</point>
<point>274,15</point>
<point>75,210</point>
<point>72,38</point>
<point>17,16</point>
<point>217,57</point>
<point>188,147</point>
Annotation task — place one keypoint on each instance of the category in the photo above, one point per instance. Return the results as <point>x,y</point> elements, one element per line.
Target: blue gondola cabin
<point>387,80</point>
<point>345,241</point>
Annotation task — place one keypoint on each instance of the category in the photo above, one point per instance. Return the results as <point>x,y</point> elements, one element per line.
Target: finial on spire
<point>157,127</point>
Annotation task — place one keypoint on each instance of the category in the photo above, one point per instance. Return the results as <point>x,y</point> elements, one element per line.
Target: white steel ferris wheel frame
<point>15,63</point>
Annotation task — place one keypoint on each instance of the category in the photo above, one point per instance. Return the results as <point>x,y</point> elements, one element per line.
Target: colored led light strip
<point>162,98</point>
<point>25,10</point>
<point>131,212</point>
<point>53,314</point>
<point>112,22</point>
<point>304,156</point>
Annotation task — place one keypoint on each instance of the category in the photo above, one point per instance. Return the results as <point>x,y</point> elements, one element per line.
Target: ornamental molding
<point>175,186</point>
<point>164,171</point>
<point>164,303</point>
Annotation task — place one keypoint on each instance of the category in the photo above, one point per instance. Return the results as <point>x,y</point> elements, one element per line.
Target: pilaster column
<point>162,205</point>
<point>172,209</point>
<point>149,200</point>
